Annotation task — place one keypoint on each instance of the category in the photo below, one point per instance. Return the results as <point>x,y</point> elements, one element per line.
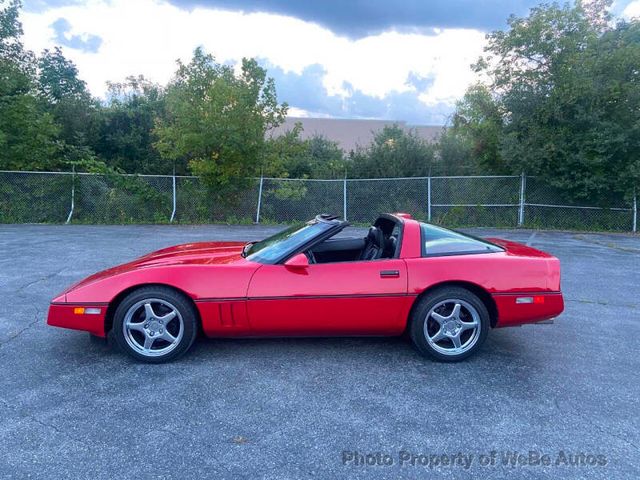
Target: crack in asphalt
<point>44,424</point>
<point>24,329</point>
<point>600,302</point>
<point>41,279</point>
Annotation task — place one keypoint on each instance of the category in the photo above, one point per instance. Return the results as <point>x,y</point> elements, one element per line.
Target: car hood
<point>201,253</point>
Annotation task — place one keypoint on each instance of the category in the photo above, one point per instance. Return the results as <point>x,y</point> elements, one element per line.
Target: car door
<point>344,298</point>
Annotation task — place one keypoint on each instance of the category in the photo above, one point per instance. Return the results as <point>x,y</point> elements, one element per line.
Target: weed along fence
<point>458,201</point>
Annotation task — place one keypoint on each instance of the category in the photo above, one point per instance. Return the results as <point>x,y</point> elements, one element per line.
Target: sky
<point>400,60</point>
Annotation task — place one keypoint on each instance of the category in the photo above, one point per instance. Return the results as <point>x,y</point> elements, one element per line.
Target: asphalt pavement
<point>539,401</point>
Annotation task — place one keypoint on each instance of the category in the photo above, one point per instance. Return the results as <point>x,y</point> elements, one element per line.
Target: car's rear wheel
<point>449,324</point>
<point>155,324</point>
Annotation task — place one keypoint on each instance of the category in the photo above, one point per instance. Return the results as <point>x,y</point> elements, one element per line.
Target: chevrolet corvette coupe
<point>446,290</point>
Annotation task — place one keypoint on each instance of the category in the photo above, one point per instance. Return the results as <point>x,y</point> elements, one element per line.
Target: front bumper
<point>75,316</point>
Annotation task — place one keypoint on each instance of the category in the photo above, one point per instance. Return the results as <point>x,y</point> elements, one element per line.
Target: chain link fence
<point>476,201</point>
<point>459,201</point>
<point>194,204</point>
<point>288,200</point>
<point>35,197</point>
<point>121,198</point>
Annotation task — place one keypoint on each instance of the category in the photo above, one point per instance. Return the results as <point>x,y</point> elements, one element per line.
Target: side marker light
<point>86,311</point>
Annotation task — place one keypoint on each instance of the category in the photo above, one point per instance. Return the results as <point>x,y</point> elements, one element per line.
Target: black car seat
<point>374,244</point>
<point>390,246</point>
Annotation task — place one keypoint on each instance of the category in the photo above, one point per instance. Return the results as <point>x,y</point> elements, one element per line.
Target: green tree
<point>126,140</point>
<point>217,120</point>
<point>454,154</point>
<point>28,134</point>
<point>327,158</point>
<point>288,155</point>
<point>58,78</point>
<point>475,133</point>
<point>564,89</point>
<point>73,109</point>
<point>12,51</point>
<point>394,152</point>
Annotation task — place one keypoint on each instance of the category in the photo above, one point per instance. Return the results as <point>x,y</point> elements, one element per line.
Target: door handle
<point>389,273</point>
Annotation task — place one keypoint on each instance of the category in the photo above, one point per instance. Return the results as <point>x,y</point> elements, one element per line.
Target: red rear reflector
<point>538,299</point>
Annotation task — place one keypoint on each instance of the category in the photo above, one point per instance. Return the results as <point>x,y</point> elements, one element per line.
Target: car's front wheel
<point>155,324</point>
<point>449,324</point>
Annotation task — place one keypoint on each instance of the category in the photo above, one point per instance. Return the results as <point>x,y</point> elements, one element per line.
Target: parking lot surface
<point>324,408</point>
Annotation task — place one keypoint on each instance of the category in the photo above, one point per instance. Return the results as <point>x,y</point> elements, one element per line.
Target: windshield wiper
<point>246,248</point>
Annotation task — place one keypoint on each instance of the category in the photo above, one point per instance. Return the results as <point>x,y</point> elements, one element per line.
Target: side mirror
<point>299,260</point>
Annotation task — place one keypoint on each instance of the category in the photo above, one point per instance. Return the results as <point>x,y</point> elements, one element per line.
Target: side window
<point>438,241</point>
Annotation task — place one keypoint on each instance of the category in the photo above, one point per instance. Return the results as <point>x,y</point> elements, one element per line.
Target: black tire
<point>143,328</point>
<point>441,303</point>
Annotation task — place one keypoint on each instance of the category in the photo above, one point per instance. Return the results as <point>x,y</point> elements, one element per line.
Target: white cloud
<point>632,10</point>
<point>147,36</point>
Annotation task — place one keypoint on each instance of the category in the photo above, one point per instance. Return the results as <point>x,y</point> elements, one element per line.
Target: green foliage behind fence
<point>28,197</point>
<point>34,197</point>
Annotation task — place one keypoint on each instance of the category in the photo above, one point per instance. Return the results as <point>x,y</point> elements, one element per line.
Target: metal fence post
<point>523,185</point>
<point>635,212</point>
<point>344,199</point>
<point>259,199</point>
<point>73,194</point>
<point>429,198</point>
<point>173,211</point>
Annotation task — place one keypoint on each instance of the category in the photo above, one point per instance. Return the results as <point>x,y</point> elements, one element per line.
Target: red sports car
<point>444,288</point>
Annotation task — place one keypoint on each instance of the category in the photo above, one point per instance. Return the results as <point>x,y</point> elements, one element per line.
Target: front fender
<point>197,281</point>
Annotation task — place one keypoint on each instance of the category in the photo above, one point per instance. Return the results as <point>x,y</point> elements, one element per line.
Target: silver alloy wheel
<point>153,327</point>
<point>452,327</point>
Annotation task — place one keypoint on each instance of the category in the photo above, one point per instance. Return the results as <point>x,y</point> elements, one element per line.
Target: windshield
<point>440,241</point>
<point>272,249</point>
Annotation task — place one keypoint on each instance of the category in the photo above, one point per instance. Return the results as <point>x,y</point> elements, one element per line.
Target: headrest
<point>376,236</point>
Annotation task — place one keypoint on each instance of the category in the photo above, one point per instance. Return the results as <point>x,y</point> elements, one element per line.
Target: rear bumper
<point>67,315</point>
<point>517,309</point>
